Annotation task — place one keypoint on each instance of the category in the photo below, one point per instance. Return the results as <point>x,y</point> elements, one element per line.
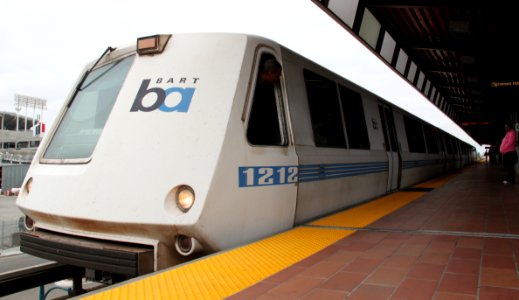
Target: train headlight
<point>185,197</point>
<point>28,185</point>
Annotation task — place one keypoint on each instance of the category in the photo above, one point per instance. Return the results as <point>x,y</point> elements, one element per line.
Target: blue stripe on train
<point>276,175</point>
<point>408,164</point>
<point>331,171</point>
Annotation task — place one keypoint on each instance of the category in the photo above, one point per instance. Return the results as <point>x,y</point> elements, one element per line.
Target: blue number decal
<point>292,174</point>
<point>267,175</point>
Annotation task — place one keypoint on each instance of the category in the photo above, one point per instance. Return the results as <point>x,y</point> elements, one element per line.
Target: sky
<point>44,45</point>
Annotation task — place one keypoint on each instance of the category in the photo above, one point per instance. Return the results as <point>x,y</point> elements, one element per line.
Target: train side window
<point>353,113</point>
<point>448,144</point>
<point>454,142</point>
<point>267,119</point>
<point>415,136</point>
<point>324,111</point>
<point>431,139</point>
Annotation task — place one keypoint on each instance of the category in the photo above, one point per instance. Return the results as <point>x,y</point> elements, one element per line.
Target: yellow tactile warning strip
<point>368,213</point>
<point>226,273</point>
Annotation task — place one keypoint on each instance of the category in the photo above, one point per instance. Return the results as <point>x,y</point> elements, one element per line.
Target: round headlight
<point>185,197</point>
<point>28,185</point>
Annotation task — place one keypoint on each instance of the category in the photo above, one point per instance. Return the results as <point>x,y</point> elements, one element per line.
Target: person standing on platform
<point>509,153</point>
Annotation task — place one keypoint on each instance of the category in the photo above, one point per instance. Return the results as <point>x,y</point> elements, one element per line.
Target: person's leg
<point>506,167</point>
<point>510,174</point>
<point>512,169</point>
<point>509,164</point>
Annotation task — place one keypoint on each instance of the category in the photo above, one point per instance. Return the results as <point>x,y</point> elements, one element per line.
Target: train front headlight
<point>28,185</point>
<point>185,197</point>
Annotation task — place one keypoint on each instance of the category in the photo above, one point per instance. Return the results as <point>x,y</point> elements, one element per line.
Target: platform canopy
<point>460,54</point>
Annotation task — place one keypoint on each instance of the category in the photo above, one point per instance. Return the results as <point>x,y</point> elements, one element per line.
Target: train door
<point>271,170</point>
<point>392,147</point>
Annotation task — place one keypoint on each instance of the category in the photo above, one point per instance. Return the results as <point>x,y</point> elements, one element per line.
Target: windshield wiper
<point>85,75</point>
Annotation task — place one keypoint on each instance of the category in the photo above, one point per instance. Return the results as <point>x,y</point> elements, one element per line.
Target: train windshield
<point>79,130</point>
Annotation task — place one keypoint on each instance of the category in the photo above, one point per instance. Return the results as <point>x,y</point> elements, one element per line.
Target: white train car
<point>188,144</point>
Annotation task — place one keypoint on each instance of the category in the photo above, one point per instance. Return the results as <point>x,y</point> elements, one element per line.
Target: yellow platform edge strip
<point>368,213</point>
<point>226,273</point>
<point>221,275</point>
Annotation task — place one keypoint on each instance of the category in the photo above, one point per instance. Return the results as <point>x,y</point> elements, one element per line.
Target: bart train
<point>183,145</point>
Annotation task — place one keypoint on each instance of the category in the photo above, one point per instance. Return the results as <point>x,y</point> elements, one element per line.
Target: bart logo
<point>183,97</point>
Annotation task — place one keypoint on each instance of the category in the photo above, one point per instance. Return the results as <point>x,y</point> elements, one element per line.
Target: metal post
<point>26,105</point>
<point>17,117</point>
<point>34,118</point>
<point>77,285</point>
<point>3,234</point>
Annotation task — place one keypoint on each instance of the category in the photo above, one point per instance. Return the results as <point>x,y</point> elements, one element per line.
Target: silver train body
<point>178,147</point>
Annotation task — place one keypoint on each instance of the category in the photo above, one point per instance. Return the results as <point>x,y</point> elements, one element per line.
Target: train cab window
<point>267,119</point>
<point>80,128</point>
<point>353,113</point>
<point>325,111</point>
<point>415,136</point>
<point>431,139</point>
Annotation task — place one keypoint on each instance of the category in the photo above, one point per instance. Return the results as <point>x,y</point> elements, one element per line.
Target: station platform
<point>454,237</point>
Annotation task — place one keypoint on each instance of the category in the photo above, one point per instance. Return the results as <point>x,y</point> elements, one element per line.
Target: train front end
<point>120,181</point>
